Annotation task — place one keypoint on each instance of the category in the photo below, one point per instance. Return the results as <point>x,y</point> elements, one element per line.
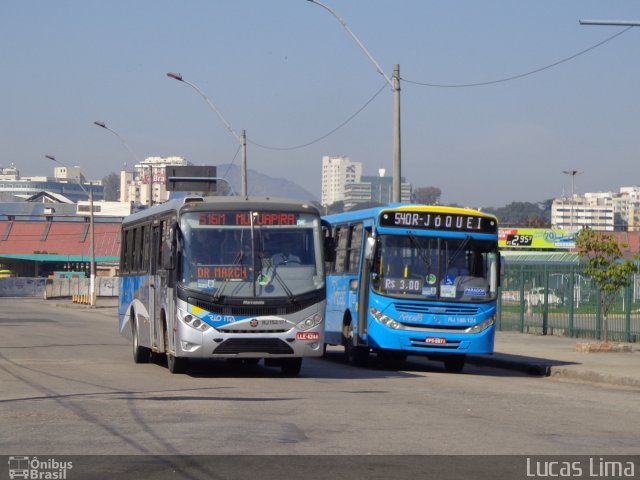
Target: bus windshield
<point>438,268</point>
<point>257,255</point>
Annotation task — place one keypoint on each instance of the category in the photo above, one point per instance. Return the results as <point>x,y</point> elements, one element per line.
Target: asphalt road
<point>69,386</point>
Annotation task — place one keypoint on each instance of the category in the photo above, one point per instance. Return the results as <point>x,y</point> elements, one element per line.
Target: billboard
<point>524,238</point>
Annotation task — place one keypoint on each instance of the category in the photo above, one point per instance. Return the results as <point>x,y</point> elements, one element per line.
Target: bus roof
<point>199,204</point>
<point>375,211</point>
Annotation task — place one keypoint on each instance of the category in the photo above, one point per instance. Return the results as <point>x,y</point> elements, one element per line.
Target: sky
<point>289,73</point>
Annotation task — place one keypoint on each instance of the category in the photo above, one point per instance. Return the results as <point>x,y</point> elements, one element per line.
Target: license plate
<point>308,336</point>
<point>435,340</point>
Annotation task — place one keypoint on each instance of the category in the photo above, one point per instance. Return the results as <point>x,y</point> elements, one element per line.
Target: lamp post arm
<point>357,40</point>
<point>126,145</point>
<point>214,108</point>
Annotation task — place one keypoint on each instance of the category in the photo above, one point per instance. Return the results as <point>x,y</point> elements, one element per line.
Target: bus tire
<point>140,354</point>
<point>291,366</point>
<point>174,364</point>
<point>355,355</point>
<point>454,363</point>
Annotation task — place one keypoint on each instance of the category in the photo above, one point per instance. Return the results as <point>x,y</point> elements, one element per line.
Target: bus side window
<point>342,235</point>
<point>355,244</point>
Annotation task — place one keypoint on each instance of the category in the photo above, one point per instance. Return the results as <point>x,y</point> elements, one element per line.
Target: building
<point>606,211</point>
<point>573,213</point>
<point>371,189</point>
<point>337,172</point>
<point>146,184</point>
<point>67,181</point>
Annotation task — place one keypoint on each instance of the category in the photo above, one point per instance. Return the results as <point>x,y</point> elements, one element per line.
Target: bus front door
<point>363,292</point>
<point>156,238</point>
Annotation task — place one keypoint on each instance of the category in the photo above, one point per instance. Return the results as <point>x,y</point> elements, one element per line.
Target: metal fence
<point>57,287</point>
<point>561,300</point>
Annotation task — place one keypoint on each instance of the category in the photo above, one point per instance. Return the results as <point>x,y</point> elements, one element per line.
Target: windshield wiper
<point>282,283</point>
<point>425,259</point>
<point>236,261</point>
<point>462,246</point>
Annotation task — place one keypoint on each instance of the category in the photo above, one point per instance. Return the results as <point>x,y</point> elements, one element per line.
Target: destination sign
<point>244,218</point>
<point>223,272</point>
<point>438,221</point>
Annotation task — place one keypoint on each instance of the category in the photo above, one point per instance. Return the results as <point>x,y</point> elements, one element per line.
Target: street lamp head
<point>50,157</point>
<point>100,124</point>
<point>175,75</point>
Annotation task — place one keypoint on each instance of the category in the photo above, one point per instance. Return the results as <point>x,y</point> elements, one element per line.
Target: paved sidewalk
<point>548,355</point>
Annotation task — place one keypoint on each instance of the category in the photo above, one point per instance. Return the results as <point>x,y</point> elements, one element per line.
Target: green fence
<point>561,300</point>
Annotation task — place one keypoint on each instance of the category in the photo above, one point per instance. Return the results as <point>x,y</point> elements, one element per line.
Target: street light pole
<point>242,139</point>
<point>394,83</point>
<point>92,253</point>
<point>573,174</point>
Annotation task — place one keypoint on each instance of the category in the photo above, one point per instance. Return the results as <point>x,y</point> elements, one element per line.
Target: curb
<point>537,369</point>
<point>544,369</point>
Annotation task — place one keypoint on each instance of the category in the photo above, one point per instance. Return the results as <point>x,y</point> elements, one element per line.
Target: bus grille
<point>255,310</point>
<point>433,309</point>
<point>273,346</point>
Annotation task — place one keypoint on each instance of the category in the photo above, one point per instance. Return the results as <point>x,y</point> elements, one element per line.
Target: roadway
<point>70,387</point>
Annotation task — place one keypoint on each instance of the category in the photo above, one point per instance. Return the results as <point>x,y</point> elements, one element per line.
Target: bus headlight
<point>192,321</point>
<point>481,326</point>
<point>310,322</point>
<point>382,318</point>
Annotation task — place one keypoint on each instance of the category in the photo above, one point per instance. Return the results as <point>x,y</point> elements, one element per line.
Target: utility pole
<point>242,139</point>
<point>395,87</point>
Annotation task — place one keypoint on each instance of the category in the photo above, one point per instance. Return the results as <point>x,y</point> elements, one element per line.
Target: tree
<point>111,185</point>
<point>427,195</point>
<point>603,256</point>
<point>523,214</point>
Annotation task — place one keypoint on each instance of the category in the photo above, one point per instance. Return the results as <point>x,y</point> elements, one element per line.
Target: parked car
<point>536,297</point>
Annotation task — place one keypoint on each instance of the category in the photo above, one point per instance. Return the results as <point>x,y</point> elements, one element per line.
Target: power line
<point>521,75</point>
<point>328,133</point>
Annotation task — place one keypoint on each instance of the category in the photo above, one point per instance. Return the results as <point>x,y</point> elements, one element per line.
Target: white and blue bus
<point>413,279</point>
<point>209,277</point>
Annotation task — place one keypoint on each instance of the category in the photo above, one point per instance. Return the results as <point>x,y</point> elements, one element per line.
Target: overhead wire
<point>435,85</point>
<point>295,147</point>
<point>521,75</point>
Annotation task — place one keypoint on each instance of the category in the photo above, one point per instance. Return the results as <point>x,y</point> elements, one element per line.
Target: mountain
<point>261,185</point>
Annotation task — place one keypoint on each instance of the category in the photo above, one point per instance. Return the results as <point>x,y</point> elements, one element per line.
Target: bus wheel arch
<point>174,364</point>
<point>140,354</point>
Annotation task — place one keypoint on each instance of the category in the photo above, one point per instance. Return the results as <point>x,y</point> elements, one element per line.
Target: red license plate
<point>435,340</point>
<point>308,336</point>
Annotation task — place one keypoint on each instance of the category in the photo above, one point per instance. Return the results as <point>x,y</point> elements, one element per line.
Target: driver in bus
<point>286,255</point>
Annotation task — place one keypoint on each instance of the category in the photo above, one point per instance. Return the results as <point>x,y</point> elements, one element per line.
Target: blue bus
<point>413,279</point>
<point>224,277</point>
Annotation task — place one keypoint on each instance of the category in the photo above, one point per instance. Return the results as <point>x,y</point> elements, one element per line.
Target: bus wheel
<point>291,366</point>
<point>356,355</point>
<point>174,364</point>
<point>140,354</point>
<point>454,363</point>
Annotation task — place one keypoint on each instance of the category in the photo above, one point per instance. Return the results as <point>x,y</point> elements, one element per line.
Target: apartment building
<point>145,185</point>
<point>337,172</point>
<point>606,211</point>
